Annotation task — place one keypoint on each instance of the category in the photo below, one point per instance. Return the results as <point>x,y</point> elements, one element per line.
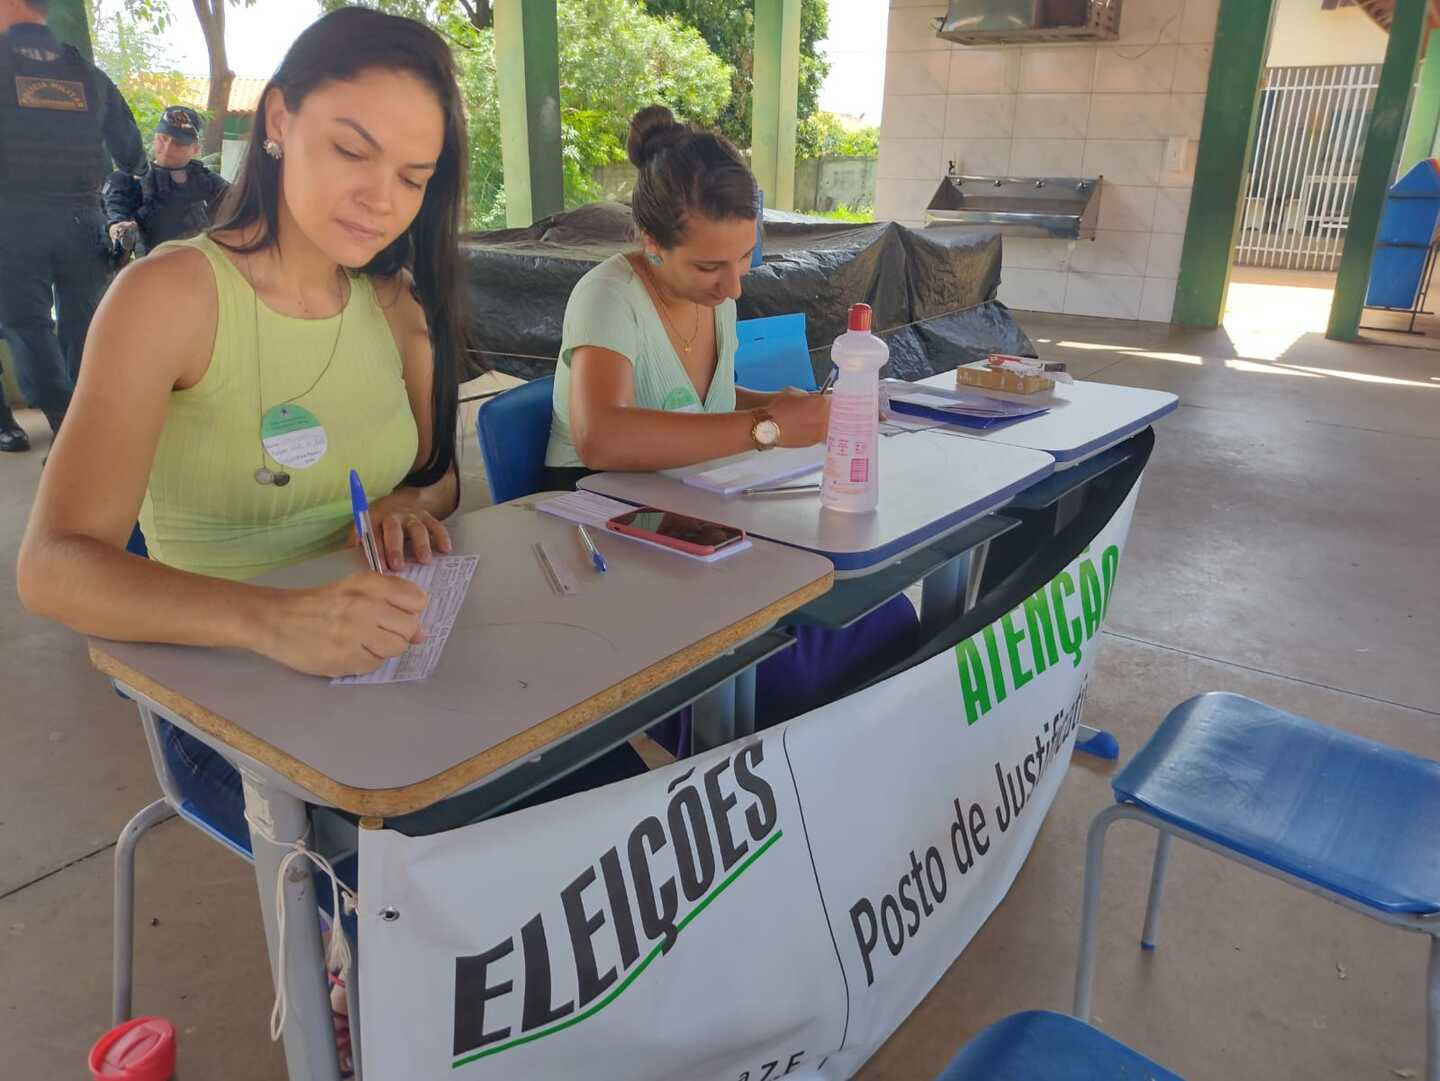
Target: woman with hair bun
<point>646,378</point>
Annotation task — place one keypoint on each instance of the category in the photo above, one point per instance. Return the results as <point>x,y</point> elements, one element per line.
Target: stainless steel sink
<point>1042,206</point>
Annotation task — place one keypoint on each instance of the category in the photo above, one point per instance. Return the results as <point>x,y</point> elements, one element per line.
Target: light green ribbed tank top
<point>203,510</point>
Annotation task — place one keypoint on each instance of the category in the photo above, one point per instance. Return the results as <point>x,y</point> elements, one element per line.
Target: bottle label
<point>849,445</point>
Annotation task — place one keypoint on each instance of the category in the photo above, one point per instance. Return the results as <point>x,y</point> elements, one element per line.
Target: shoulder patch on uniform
<point>64,95</point>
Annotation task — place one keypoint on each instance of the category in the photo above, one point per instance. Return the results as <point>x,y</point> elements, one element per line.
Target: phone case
<point>658,538</point>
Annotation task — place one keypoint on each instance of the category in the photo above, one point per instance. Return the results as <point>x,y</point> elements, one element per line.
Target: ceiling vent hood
<point>1001,22</point>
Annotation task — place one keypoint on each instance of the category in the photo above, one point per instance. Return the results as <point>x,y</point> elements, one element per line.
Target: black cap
<point>181,123</point>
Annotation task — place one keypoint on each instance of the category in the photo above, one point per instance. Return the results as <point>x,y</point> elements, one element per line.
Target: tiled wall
<point>1058,110</point>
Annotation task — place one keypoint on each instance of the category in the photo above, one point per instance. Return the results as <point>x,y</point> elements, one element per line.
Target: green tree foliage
<point>729,28</point>
<point>822,135</point>
<point>614,60</point>
<point>132,52</point>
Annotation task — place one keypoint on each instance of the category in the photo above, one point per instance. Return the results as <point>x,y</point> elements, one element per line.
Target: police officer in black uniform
<point>175,195</point>
<point>59,115</point>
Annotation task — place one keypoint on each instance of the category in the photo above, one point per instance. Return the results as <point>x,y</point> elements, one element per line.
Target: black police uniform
<point>162,207</point>
<point>59,115</point>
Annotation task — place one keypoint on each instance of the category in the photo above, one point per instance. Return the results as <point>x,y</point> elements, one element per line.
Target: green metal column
<point>527,62</point>
<point>1425,113</point>
<point>775,99</point>
<point>1377,165</point>
<point>1242,35</point>
<point>71,25</point>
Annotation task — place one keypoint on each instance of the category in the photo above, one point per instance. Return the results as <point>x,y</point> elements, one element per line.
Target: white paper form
<point>446,580</point>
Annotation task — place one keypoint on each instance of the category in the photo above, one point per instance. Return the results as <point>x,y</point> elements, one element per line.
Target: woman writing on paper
<point>646,378</point>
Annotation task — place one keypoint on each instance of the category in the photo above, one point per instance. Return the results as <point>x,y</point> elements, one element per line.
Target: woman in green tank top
<point>231,382</point>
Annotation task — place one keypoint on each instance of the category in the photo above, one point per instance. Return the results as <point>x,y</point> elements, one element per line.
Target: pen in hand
<point>595,557</point>
<point>360,507</point>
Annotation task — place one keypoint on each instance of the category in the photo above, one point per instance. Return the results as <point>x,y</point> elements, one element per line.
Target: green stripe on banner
<point>641,967</point>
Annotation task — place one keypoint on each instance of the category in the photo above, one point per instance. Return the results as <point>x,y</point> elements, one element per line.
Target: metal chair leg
<point>1090,908</point>
<point>1157,887</point>
<point>122,963</point>
<point>1432,1014</point>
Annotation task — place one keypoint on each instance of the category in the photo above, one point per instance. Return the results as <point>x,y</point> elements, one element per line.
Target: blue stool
<point>1044,1046</point>
<point>1349,819</point>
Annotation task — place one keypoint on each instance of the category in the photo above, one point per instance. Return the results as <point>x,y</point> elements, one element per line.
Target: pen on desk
<point>360,507</point>
<point>785,488</point>
<point>595,557</point>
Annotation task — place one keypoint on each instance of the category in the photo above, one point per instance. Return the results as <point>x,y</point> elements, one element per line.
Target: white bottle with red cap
<point>852,444</point>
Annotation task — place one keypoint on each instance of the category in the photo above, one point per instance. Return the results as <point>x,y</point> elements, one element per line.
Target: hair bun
<point>653,129</point>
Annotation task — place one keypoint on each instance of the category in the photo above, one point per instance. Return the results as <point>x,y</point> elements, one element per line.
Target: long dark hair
<point>336,48</point>
<point>685,172</point>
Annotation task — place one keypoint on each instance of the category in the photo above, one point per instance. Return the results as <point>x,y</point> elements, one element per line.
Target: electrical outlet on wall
<point>1176,148</point>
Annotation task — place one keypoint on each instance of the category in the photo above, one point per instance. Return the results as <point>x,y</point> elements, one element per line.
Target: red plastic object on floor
<point>138,1050</point>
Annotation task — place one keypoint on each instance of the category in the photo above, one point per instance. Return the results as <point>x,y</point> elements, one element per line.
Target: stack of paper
<point>756,469</point>
<point>958,406</point>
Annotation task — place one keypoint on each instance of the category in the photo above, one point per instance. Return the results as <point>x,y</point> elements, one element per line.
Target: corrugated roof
<point>1382,11</point>
<point>244,92</point>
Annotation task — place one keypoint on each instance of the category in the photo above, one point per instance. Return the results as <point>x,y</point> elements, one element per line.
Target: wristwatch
<point>766,430</point>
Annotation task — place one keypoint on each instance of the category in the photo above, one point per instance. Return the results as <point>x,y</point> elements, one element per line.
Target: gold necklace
<point>660,305</point>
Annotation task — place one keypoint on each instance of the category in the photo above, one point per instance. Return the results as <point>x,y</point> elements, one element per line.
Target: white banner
<point>773,908</point>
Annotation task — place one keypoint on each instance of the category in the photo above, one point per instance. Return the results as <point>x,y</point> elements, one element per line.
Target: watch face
<point>767,431</point>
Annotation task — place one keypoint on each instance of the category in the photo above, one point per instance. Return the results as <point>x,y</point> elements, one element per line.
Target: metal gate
<point>1303,166</point>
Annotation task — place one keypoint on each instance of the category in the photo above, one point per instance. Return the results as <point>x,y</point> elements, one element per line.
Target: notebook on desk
<point>755,469</point>
<point>964,408</point>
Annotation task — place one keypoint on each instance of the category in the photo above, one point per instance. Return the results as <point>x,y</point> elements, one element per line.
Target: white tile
<point>1124,161</point>
<point>916,73</point>
<point>909,159</point>
<point>1187,115</point>
<point>1192,69</point>
<point>1151,21</point>
<point>1047,157</point>
<point>1125,208</point>
<point>1130,116</point>
<point>1110,296</point>
<point>1033,290</point>
<point>984,71</point>
<point>980,116</point>
<point>977,157</point>
<point>1057,69</point>
<point>1172,210</point>
<point>913,29</point>
<point>1052,116</point>
<point>1112,253</point>
<point>1199,21</point>
<point>1119,70</point>
<point>1157,300</point>
<point>919,116</point>
<point>1035,253</point>
<point>903,200</point>
<point>1164,261</point>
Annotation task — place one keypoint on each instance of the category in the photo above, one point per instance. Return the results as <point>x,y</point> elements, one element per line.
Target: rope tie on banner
<point>339,957</point>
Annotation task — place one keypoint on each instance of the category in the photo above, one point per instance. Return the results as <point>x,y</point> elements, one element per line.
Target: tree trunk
<point>211,14</point>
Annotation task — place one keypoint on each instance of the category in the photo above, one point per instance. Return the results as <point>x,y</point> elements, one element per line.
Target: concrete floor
<point>1286,546</point>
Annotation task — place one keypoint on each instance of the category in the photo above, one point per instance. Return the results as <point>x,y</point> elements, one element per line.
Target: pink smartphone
<point>679,531</point>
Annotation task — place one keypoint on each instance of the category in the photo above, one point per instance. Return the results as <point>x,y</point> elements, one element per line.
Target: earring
<point>653,257</point>
<point>273,149</point>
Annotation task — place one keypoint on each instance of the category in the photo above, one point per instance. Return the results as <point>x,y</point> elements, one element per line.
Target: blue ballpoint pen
<point>360,506</point>
<point>595,556</point>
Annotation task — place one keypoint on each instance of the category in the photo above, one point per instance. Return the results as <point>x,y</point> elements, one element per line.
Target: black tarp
<point>932,290</point>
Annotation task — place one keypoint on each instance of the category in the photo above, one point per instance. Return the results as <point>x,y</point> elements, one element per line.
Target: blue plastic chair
<point>1044,1046</point>
<point>773,354</point>
<point>1349,819</point>
<point>513,429</point>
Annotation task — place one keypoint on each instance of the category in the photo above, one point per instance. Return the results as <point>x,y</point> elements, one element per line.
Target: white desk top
<point>929,486</point>
<point>523,667</point>
<point>1084,418</point>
